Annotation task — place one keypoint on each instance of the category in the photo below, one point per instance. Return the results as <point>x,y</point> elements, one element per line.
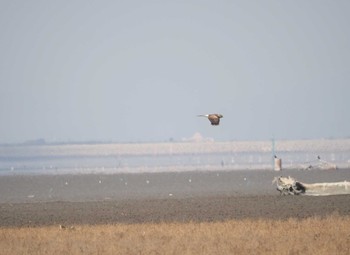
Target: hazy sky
<point>143,70</point>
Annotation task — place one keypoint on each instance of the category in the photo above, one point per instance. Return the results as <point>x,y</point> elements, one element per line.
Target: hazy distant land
<point>170,156</point>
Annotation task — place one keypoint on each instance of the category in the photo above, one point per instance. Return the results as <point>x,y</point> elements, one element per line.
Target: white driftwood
<point>290,186</point>
<point>327,188</point>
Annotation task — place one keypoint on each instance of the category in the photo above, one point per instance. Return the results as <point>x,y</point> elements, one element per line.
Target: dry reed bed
<point>330,235</point>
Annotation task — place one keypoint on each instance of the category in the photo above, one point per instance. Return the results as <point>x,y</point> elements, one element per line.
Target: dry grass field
<point>314,235</point>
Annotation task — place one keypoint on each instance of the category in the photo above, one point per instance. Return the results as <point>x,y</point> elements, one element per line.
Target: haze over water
<point>172,157</point>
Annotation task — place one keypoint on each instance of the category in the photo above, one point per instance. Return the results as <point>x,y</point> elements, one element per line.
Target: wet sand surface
<point>161,197</point>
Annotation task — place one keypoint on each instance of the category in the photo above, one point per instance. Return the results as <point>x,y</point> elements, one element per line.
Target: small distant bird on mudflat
<point>214,118</point>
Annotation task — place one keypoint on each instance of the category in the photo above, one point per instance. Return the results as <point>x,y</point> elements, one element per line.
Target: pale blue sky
<point>142,70</point>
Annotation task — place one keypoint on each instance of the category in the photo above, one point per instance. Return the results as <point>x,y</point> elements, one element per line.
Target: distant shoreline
<point>172,156</point>
<point>42,141</point>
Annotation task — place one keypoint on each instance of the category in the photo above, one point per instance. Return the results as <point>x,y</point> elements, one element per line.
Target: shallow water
<point>166,157</point>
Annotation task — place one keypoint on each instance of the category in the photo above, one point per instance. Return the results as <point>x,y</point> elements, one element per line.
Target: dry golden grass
<point>329,235</point>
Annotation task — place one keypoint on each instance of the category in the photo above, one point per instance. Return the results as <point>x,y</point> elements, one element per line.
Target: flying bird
<point>214,118</point>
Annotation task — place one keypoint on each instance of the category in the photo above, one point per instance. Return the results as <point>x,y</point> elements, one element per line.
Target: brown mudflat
<point>162,197</point>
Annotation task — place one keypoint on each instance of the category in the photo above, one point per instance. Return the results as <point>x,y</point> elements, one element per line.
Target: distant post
<point>273,153</point>
<point>278,164</point>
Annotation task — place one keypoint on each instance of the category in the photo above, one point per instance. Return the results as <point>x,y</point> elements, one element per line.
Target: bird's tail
<point>202,115</point>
